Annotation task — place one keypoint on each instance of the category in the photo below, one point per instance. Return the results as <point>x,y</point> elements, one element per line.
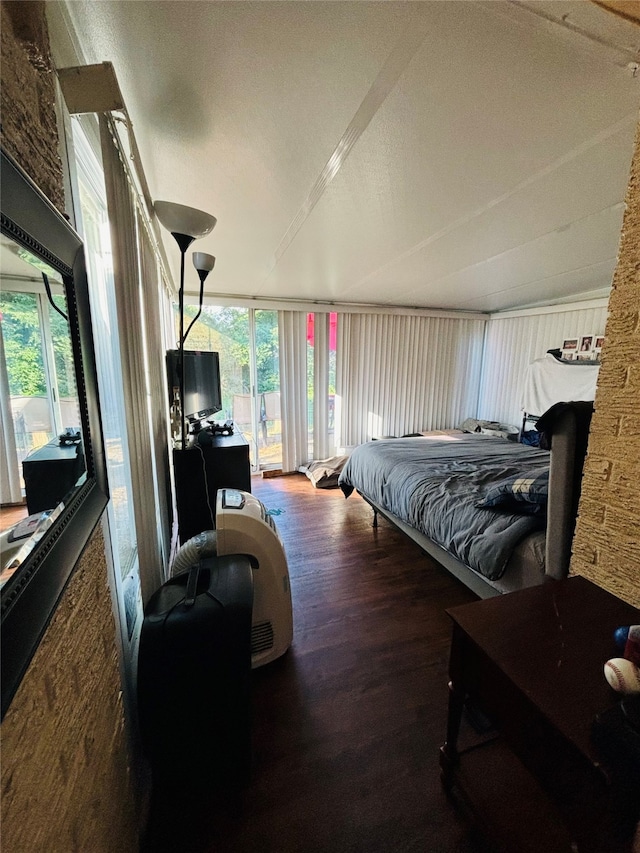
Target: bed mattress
<point>434,485</point>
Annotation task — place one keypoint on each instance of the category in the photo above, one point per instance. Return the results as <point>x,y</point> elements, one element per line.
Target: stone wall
<point>29,132</point>
<point>607,541</point>
<point>66,784</point>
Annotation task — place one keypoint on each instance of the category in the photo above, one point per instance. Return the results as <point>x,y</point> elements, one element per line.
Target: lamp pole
<point>183,241</point>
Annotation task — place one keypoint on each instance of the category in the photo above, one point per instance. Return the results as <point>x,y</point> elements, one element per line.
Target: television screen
<point>202,390</point>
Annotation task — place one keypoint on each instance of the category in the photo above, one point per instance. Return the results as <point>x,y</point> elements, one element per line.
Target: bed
<point>497,514</point>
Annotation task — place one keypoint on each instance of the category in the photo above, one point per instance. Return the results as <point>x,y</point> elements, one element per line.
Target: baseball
<point>622,675</point>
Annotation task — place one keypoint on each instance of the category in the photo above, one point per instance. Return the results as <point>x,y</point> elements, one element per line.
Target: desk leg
<point>457,696</point>
<point>449,750</point>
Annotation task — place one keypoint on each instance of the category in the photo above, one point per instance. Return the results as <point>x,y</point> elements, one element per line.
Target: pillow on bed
<point>526,493</point>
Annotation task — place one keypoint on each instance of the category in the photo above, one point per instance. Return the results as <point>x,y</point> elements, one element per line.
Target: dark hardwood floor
<point>347,725</point>
<point>10,515</point>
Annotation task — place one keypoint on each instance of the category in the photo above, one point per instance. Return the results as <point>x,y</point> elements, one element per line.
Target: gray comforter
<point>434,485</point>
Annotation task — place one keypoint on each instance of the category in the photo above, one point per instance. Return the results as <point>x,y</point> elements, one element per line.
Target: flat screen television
<point>202,389</point>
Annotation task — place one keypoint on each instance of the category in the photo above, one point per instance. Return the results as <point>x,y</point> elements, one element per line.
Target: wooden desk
<point>532,661</point>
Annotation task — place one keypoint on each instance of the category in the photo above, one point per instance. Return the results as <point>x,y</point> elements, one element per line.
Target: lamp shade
<point>180,219</point>
<point>203,262</point>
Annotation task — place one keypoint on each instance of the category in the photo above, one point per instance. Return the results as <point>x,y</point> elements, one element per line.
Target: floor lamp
<point>186,224</point>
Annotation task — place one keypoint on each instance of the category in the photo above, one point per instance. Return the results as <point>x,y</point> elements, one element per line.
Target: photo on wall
<point>597,349</point>
<point>569,349</point>
<point>586,342</point>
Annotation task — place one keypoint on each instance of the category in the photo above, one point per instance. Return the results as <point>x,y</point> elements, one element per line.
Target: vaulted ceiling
<point>461,155</point>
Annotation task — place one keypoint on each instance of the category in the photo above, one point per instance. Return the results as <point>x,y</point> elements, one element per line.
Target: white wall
<point>515,339</point>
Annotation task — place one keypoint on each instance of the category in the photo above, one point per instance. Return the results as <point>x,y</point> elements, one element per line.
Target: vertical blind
<point>151,306</point>
<point>402,373</point>
<point>323,446</point>
<point>292,331</point>
<point>514,342</point>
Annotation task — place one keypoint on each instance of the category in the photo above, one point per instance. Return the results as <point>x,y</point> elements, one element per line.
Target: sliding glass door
<point>255,382</point>
<point>247,340</point>
<point>267,385</point>
<point>36,366</point>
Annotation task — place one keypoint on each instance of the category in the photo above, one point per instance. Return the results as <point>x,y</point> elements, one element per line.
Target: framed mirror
<point>52,465</point>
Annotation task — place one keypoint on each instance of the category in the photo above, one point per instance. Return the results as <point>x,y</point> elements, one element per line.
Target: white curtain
<point>10,491</point>
<point>138,326</point>
<point>153,305</point>
<point>292,329</point>
<point>402,373</point>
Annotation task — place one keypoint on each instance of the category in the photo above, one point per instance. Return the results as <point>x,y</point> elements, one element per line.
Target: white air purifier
<point>244,527</point>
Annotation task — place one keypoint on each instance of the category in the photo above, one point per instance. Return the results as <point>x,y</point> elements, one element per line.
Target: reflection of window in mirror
<point>38,403</point>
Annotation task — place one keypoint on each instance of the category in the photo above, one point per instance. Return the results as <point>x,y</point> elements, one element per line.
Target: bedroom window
<point>93,225</point>
<point>37,369</point>
<point>275,364</point>
<point>248,343</point>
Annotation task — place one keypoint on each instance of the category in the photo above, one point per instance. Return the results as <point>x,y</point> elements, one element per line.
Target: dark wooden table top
<point>551,642</point>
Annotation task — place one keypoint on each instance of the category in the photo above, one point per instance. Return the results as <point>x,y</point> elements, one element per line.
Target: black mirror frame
<point>29,599</point>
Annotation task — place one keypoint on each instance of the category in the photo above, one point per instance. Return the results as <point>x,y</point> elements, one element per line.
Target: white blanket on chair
<point>549,381</point>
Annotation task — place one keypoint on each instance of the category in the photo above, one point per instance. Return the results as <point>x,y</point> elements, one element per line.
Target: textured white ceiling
<point>459,155</point>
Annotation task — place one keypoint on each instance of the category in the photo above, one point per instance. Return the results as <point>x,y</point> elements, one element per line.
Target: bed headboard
<point>565,430</point>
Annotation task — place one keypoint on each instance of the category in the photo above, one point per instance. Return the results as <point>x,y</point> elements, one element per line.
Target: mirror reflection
<point>41,449</point>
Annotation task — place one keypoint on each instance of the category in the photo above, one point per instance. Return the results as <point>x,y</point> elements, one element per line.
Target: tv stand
<point>199,471</point>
